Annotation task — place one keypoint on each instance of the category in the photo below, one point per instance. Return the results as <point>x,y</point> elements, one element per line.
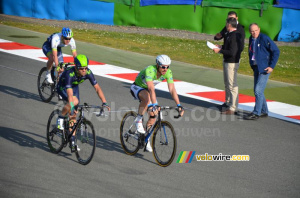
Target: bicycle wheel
<point>85,141</point>
<point>164,144</point>
<point>46,90</point>
<point>128,137</point>
<point>55,137</point>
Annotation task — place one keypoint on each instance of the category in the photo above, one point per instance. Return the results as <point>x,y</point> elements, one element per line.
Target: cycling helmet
<point>67,32</point>
<point>81,61</point>
<point>163,60</point>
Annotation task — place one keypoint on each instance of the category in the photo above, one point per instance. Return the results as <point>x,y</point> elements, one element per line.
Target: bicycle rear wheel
<point>55,137</point>
<point>85,141</point>
<point>164,144</point>
<point>46,90</point>
<point>128,137</point>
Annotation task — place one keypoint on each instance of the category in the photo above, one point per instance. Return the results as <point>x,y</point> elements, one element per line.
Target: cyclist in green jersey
<point>143,89</point>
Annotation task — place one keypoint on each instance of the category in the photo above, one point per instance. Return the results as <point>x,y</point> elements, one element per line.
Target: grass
<point>189,51</point>
<point>184,50</point>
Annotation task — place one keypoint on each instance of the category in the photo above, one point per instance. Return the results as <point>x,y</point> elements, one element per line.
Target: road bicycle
<point>164,141</point>
<point>46,90</point>
<point>85,138</point>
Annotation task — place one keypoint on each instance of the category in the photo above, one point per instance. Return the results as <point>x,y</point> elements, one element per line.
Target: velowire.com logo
<point>187,157</point>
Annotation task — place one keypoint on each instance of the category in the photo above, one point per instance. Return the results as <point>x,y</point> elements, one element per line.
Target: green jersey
<point>150,74</point>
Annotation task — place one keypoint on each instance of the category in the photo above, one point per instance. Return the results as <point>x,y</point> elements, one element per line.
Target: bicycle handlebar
<point>65,65</point>
<point>164,108</point>
<point>87,106</point>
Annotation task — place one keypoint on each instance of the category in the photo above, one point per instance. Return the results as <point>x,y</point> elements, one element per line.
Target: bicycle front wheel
<point>46,90</point>
<point>164,144</point>
<point>55,137</point>
<point>128,137</point>
<point>85,141</point>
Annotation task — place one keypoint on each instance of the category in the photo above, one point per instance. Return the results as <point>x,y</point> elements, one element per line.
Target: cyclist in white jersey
<point>52,49</point>
<point>143,89</point>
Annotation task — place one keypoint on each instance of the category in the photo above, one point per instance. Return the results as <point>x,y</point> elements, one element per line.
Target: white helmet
<point>163,60</point>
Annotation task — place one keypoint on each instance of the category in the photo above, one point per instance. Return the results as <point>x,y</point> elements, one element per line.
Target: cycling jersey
<point>70,79</point>
<point>150,74</point>
<point>56,41</point>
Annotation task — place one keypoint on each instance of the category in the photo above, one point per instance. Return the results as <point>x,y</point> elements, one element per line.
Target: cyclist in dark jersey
<point>68,89</point>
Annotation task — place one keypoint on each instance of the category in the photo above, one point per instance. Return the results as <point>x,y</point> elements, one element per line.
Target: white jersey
<point>58,42</point>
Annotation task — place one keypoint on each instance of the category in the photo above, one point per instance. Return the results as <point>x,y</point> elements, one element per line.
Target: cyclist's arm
<point>55,58</point>
<point>73,47</point>
<point>100,92</point>
<point>74,52</point>
<point>70,96</point>
<point>151,90</point>
<point>173,93</point>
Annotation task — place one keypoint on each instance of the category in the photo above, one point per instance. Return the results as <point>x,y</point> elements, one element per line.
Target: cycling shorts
<point>135,90</point>
<point>63,93</point>
<point>47,49</point>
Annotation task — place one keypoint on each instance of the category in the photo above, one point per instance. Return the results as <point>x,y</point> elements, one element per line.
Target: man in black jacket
<point>231,51</point>
<point>239,29</point>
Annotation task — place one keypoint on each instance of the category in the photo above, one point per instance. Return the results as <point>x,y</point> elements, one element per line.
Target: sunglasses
<point>82,68</point>
<point>165,67</point>
<point>67,38</point>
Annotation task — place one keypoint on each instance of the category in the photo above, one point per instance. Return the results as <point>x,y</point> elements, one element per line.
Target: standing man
<point>223,34</point>
<point>231,51</point>
<point>263,56</point>
<point>239,29</point>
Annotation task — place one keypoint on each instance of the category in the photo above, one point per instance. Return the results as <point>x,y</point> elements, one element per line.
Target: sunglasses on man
<point>67,38</point>
<point>164,67</point>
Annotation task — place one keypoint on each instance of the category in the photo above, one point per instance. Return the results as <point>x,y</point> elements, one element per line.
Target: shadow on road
<point>21,93</point>
<point>22,138</point>
<point>110,145</point>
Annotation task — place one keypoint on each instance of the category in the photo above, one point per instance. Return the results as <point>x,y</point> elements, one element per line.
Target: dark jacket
<point>240,30</point>
<point>266,52</point>
<point>231,49</point>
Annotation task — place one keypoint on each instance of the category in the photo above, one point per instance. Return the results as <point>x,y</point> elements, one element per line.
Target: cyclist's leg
<point>48,52</point>
<point>76,101</point>
<point>60,59</point>
<point>151,120</point>
<point>143,96</point>
<point>72,118</point>
<point>63,93</point>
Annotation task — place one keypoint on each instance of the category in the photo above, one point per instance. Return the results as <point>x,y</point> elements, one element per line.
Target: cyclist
<point>52,49</point>
<point>68,88</point>
<point>143,89</point>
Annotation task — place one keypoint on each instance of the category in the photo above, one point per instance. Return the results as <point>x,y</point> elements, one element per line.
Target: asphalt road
<point>29,169</point>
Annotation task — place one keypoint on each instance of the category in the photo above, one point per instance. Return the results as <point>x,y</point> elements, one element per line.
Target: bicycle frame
<point>153,127</point>
<point>80,119</point>
<point>156,124</point>
<point>74,128</point>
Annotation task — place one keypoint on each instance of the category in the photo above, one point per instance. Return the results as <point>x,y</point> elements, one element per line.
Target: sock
<point>139,117</point>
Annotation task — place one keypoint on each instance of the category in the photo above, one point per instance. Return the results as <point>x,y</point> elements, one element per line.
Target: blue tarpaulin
<point>290,29</point>
<point>293,4</point>
<point>90,11</point>
<point>169,2</point>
